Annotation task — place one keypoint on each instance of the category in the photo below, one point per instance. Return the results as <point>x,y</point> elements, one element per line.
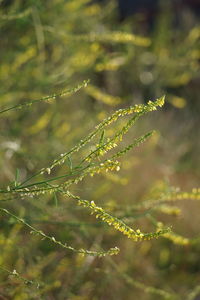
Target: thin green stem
<point>111,251</point>
<point>46,98</point>
<point>14,273</point>
<point>48,180</point>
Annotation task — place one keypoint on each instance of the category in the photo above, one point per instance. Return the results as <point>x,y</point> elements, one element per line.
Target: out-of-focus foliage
<point>47,48</point>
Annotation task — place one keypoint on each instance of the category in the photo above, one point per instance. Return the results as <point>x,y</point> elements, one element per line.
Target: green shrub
<point>56,172</point>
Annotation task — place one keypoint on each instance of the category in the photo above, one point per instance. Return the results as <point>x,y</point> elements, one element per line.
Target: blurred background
<point>132,52</point>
